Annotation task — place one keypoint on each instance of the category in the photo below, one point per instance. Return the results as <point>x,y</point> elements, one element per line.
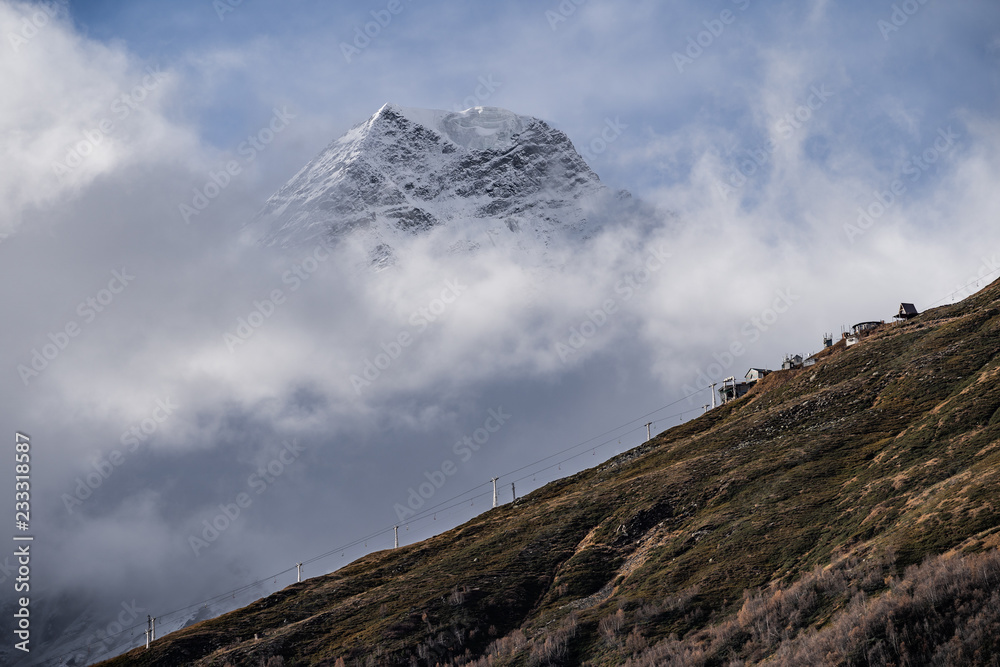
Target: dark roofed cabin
<point>906,311</point>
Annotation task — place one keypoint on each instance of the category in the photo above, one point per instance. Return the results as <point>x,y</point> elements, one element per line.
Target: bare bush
<point>648,611</point>
<point>670,653</point>
<point>553,648</point>
<point>611,625</point>
<point>635,642</point>
<point>943,612</point>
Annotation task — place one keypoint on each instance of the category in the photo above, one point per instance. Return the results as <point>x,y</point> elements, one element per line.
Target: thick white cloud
<point>73,109</point>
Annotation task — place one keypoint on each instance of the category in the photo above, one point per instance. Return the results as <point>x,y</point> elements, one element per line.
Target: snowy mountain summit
<point>486,175</point>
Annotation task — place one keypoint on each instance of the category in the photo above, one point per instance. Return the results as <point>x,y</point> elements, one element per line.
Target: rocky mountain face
<point>490,175</point>
<point>841,514</point>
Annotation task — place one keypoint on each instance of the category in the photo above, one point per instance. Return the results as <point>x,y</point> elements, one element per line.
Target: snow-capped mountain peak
<point>479,128</point>
<point>485,173</point>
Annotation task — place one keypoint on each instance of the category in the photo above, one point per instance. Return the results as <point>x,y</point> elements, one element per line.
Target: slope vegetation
<point>845,513</point>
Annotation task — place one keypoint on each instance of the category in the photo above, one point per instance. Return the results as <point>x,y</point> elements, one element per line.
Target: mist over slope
<point>843,513</point>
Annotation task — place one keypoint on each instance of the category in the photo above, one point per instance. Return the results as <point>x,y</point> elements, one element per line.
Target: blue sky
<point>761,156</point>
<point>602,60</point>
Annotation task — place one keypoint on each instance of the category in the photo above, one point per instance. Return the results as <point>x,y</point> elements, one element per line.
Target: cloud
<point>74,110</point>
<point>377,374</point>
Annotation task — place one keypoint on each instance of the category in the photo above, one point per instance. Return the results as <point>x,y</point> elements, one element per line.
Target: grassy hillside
<point>845,513</point>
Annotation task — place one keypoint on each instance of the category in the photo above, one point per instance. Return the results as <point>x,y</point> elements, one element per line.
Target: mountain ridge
<point>842,513</point>
<point>486,172</point>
